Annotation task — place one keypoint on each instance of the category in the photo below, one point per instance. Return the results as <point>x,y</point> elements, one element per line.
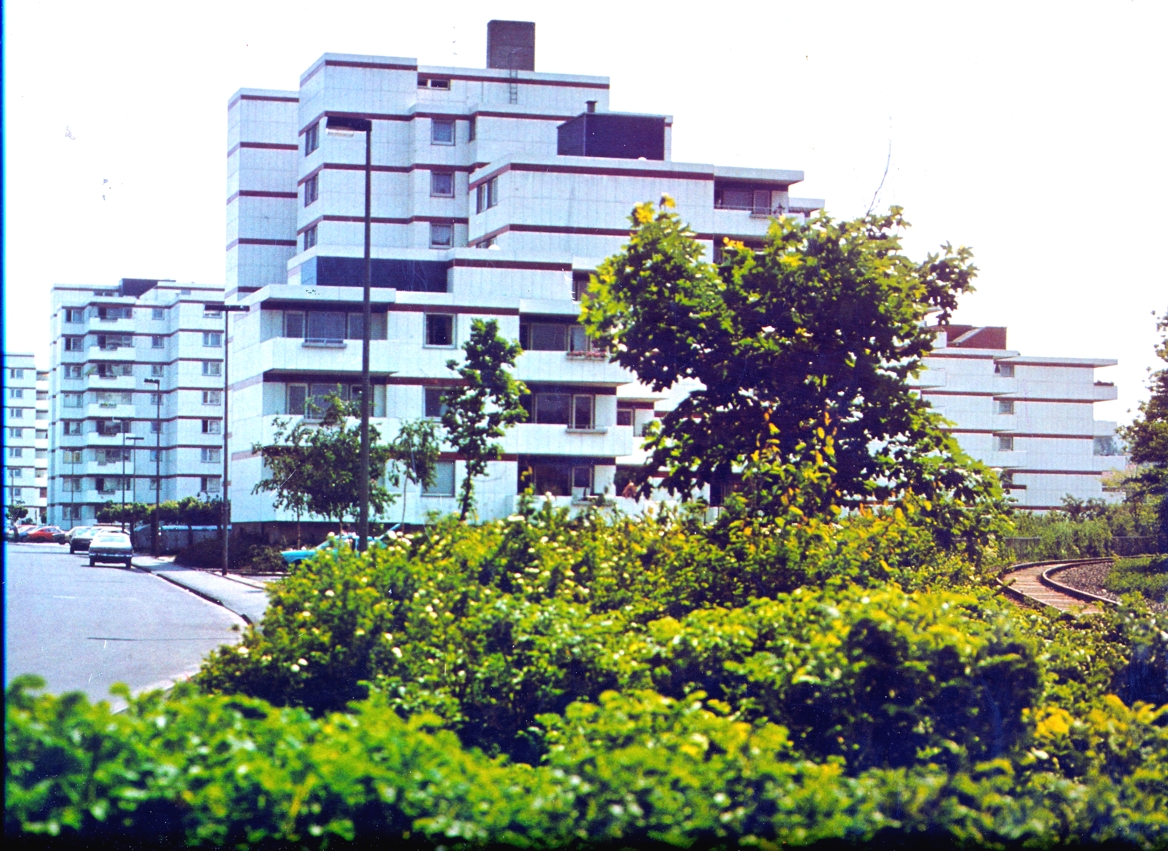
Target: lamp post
<point>338,125</point>
<point>157,382</point>
<point>227,310</point>
<point>125,437</point>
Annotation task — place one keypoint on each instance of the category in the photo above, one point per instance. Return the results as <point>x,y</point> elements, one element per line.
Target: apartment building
<point>25,479</point>
<point>1030,417</point>
<point>495,193</point>
<point>135,395</point>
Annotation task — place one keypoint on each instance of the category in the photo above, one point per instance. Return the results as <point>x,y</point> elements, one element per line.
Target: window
<point>212,426</point>
<point>114,370</point>
<point>441,184</point>
<point>74,314</point>
<point>16,432</point>
<point>15,451</point>
<point>212,397</point>
<point>572,410</point>
<point>1107,446</point>
<point>560,478</point>
<point>157,313</point>
<point>115,313</point>
<point>311,139</point>
<point>311,190</point>
<point>1005,406</point>
<point>42,453</point>
<point>294,324</point>
<point>109,400</point>
<point>212,367</point>
<point>42,434</point>
<point>310,238</point>
<point>72,400</point>
<point>112,456</point>
<point>442,131</point>
<point>112,428</point>
<point>580,281</point>
<point>1005,443</point>
<point>16,413</point>
<point>210,455</point>
<point>15,392</point>
<point>212,313</point>
<point>73,456</point>
<point>487,195</point>
<point>16,372</point>
<point>433,404</point>
<point>555,337</point>
<point>213,339</point>
<point>156,426</point>
<point>108,484</point>
<point>74,344</point>
<point>1004,370</point>
<point>113,342</point>
<point>153,483</point>
<point>42,394</point>
<point>295,396</point>
<point>16,472</point>
<point>472,129</point>
<point>442,83</point>
<point>625,416</point>
<point>72,512</point>
<point>156,399</point>
<point>209,484</point>
<point>441,235</point>
<point>439,330</point>
<point>157,341</point>
<point>377,327</point>
<point>71,484</point>
<point>157,370</point>
<point>326,326</point>
<point>155,456</point>
<point>756,199</point>
<point>443,484</point>
<point>72,428</point>
<point>72,370</point>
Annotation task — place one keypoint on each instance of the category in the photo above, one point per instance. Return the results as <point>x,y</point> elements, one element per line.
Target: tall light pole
<point>125,437</point>
<point>157,382</point>
<point>227,309</point>
<point>338,125</point>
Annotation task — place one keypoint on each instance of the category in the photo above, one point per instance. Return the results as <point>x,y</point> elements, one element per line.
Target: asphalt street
<point>85,628</point>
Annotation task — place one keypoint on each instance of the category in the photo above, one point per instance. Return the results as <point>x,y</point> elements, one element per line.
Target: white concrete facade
<point>1029,417</point>
<point>475,214</point>
<point>25,436</point>
<point>109,344</point>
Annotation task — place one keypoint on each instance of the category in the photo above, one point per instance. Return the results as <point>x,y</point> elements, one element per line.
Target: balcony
<point>113,382</point>
<point>732,222</point>
<point>1103,391</point>
<point>122,354</point>
<point>540,439</point>
<point>109,411</point>
<point>97,325</point>
<point>290,354</point>
<point>571,368</point>
<point>96,439</point>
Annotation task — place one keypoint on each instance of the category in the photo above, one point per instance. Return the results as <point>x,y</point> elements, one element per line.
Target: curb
<point>1047,578</point>
<point>208,597</point>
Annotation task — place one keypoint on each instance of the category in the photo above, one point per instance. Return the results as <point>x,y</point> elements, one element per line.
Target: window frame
<point>432,491</point>
<point>435,229</point>
<point>433,395</point>
<point>212,336</point>
<point>311,138</point>
<point>212,397</point>
<point>310,237</point>
<point>210,455</point>
<point>213,368</point>
<point>426,319</point>
<point>435,138</point>
<point>435,190</point>
<point>312,190</point>
<point>212,426</point>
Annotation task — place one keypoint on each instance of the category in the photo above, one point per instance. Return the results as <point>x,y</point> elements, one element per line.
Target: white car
<point>111,546</point>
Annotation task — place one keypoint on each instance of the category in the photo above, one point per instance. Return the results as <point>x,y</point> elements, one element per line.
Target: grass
<point>1146,575</point>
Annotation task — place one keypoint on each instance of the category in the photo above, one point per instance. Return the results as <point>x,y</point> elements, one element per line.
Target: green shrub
<point>1146,576</point>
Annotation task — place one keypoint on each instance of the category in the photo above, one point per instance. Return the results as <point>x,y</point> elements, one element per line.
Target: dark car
<point>46,535</point>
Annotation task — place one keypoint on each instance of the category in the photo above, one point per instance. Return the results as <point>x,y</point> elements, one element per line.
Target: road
<point>85,628</point>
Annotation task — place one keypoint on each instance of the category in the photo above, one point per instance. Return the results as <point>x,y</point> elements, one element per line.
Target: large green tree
<point>814,335</point>
<point>415,452</point>
<point>1147,436</point>
<point>484,405</point>
<point>315,465</point>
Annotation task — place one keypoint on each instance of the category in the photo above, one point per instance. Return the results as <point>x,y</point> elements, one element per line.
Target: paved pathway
<point>1027,581</point>
<point>244,596</point>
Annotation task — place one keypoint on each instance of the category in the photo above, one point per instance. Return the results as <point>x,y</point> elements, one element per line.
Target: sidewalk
<point>245,596</point>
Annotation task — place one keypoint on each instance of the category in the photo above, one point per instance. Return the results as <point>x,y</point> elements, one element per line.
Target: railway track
<point>1038,582</point>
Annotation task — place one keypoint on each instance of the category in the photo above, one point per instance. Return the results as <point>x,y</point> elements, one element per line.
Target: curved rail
<point>1034,582</point>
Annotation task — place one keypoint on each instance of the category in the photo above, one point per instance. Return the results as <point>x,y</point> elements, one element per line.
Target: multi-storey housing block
<point>135,395</point>
<point>25,449</point>
<point>1029,417</point>
<point>495,193</point>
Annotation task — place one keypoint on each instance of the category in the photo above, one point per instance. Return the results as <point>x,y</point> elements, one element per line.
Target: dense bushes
<point>1147,576</point>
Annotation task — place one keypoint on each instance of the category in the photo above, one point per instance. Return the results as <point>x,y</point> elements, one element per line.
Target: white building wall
<point>21,484</point>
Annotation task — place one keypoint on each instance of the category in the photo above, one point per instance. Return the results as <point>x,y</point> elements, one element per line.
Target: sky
<point>1035,133</point>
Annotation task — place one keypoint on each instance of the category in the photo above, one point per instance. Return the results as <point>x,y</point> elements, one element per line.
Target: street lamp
<point>125,437</point>
<point>157,382</point>
<point>227,310</point>
<point>338,125</point>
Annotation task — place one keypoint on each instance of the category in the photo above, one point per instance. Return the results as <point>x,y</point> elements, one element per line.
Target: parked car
<point>46,535</point>
<point>23,529</point>
<point>347,540</point>
<point>84,535</point>
<point>109,546</point>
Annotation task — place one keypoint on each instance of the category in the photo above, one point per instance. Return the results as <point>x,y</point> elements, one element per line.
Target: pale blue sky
<point>1034,133</point>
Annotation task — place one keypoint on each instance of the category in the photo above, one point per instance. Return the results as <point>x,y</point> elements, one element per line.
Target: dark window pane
<point>326,325</point>
<point>434,404</point>
<point>582,411</point>
<point>553,408</point>
<point>439,330</point>
<point>555,479</point>
<point>546,337</point>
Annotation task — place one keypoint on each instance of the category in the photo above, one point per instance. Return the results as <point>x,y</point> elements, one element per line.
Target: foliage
<point>247,556</point>
<point>415,451</point>
<point>484,405</point>
<point>16,512</point>
<point>1147,576</point>
<point>315,466</point>
<point>1086,529</point>
<point>819,331</point>
<point>1147,436</point>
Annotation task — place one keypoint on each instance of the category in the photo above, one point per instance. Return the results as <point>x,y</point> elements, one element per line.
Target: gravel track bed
<point>1089,578</point>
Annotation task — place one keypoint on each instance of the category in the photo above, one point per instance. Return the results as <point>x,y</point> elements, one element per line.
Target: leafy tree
<point>316,466</point>
<point>1147,437</point>
<point>17,512</point>
<point>486,403</point>
<point>815,335</point>
<point>415,450</point>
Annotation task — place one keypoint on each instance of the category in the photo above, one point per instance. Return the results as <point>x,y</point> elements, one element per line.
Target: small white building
<point>1030,417</point>
<point>135,395</point>
<point>25,437</point>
